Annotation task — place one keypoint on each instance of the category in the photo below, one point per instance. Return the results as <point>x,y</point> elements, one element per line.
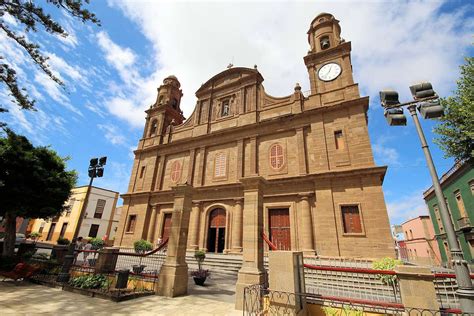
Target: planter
<point>137,269</point>
<point>199,280</point>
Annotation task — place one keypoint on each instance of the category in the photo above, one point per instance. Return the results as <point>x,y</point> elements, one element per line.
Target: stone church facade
<point>322,192</point>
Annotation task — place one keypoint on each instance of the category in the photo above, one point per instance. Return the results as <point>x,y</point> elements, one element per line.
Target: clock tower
<point>329,62</point>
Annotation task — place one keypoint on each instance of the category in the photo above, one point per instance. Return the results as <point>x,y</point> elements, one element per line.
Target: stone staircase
<point>217,263</point>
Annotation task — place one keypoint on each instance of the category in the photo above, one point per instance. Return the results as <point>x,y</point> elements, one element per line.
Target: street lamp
<point>96,169</point>
<point>427,102</point>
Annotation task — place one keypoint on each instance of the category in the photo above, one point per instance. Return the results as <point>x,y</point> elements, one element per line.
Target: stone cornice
<point>297,120</point>
<point>380,171</point>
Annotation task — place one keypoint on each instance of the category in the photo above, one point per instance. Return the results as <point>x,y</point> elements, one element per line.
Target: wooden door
<point>279,224</point>
<point>216,231</point>
<point>165,233</point>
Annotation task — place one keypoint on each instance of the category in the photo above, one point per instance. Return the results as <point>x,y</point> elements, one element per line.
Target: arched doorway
<point>216,232</point>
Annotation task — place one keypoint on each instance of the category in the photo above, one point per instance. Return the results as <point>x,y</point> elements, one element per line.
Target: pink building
<point>420,243</point>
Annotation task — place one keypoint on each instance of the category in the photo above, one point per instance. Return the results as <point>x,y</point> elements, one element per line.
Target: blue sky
<point>112,73</point>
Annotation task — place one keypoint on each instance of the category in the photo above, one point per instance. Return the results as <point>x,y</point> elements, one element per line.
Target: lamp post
<point>426,101</point>
<point>96,169</point>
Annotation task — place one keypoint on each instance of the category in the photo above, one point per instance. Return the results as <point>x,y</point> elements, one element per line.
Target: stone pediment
<point>230,78</point>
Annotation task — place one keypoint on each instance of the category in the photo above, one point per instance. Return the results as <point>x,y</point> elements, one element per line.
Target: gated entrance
<point>279,224</point>
<point>216,233</point>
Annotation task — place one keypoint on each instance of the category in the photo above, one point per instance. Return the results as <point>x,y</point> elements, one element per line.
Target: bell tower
<point>329,61</point>
<point>166,111</point>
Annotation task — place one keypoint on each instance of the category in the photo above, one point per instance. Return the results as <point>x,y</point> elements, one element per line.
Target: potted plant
<point>35,236</point>
<point>141,246</point>
<point>200,275</point>
<point>63,241</point>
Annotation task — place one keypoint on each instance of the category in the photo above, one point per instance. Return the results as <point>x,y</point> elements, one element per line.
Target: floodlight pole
<point>465,289</point>
<point>64,275</point>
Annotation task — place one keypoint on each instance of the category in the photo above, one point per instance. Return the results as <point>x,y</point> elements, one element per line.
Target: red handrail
<point>269,243</point>
<point>449,275</point>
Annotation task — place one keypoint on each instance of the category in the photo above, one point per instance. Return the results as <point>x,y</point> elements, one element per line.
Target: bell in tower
<point>166,111</point>
<point>324,33</point>
<point>169,94</point>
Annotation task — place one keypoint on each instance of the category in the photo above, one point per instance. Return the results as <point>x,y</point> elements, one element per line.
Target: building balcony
<point>464,224</point>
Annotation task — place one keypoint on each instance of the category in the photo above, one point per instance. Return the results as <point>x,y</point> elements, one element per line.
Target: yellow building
<point>101,216</point>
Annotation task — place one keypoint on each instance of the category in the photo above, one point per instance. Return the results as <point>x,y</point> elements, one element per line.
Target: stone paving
<point>217,298</point>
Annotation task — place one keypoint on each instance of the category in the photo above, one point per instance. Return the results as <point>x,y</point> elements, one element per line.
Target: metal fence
<point>259,300</point>
<point>352,284</point>
<point>98,272</point>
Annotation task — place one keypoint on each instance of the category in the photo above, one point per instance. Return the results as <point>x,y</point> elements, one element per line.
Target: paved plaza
<point>217,298</point>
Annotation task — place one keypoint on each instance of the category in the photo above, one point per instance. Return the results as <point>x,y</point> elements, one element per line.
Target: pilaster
<point>237,227</point>
<point>174,272</point>
<point>252,271</point>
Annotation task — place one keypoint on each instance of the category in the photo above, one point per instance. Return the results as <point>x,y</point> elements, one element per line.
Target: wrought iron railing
<point>259,300</point>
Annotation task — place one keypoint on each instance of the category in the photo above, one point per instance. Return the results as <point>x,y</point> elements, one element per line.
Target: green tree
<point>34,183</point>
<point>30,15</point>
<point>456,131</point>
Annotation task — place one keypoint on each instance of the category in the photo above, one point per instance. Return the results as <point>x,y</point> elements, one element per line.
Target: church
<point>322,192</point>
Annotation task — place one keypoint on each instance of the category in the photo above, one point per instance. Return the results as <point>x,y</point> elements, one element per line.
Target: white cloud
<point>126,110</point>
<point>112,134</point>
<point>394,43</point>
<point>55,92</point>
<point>119,57</point>
<point>59,66</point>
<point>403,208</point>
<point>116,176</point>
<point>384,154</point>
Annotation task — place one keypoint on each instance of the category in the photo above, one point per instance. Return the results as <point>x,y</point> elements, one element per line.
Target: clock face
<point>329,72</point>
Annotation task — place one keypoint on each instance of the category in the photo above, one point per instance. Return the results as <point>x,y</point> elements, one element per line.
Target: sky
<point>112,73</point>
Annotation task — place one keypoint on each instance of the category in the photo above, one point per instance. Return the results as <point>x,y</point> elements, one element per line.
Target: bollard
<point>122,279</point>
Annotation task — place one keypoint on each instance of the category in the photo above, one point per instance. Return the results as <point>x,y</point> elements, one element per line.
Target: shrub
<point>63,241</point>
<point>345,311</point>
<point>90,281</point>
<point>386,263</point>
<point>35,235</point>
<point>142,246</point>
<point>200,256</point>
<point>97,243</point>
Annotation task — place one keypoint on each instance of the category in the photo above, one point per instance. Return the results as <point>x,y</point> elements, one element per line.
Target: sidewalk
<point>26,299</point>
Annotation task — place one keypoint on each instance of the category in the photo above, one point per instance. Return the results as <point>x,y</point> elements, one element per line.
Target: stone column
<point>252,271</point>
<point>173,278</point>
<point>416,287</point>
<point>152,230</point>
<point>286,274</point>
<point>237,227</point>
<point>305,222</point>
<point>194,226</point>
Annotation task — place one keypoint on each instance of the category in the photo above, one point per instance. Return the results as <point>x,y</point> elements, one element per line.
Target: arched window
<point>160,99</point>
<point>175,171</point>
<point>277,158</point>
<point>154,127</point>
<point>174,103</point>
<point>220,165</point>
